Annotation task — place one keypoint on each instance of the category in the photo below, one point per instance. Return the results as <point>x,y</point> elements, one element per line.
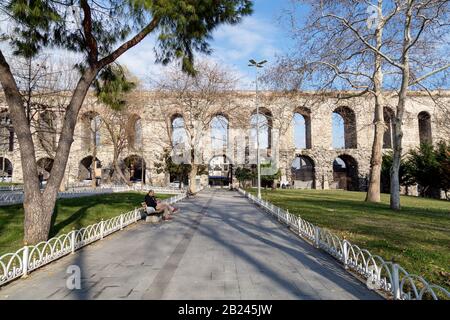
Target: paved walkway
<point>219,247</point>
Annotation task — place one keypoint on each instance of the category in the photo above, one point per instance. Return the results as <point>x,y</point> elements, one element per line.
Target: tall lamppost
<point>257,66</point>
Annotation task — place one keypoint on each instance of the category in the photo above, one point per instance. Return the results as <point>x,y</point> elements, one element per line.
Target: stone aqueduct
<point>318,164</point>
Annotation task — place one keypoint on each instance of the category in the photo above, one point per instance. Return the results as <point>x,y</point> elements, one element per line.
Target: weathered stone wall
<point>281,109</point>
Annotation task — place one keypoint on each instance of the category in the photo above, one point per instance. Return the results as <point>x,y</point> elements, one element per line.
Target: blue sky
<point>259,36</point>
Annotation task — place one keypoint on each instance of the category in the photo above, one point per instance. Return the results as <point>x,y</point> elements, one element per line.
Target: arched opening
<point>344,128</point>
<point>135,134</point>
<point>6,133</point>
<point>219,132</point>
<point>6,170</point>
<point>47,131</point>
<point>89,170</point>
<point>425,128</point>
<point>389,116</point>
<point>135,168</point>
<point>345,173</point>
<point>179,134</point>
<point>45,166</point>
<point>301,123</point>
<point>220,171</point>
<point>303,173</point>
<point>91,130</point>
<point>264,119</point>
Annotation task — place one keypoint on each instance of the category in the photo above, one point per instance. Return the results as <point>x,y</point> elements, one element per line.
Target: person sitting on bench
<point>158,206</point>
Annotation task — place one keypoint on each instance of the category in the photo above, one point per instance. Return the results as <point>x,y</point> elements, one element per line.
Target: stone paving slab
<point>219,247</point>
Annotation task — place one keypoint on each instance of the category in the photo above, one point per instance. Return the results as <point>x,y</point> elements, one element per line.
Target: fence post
<point>278,214</point>
<point>396,281</point>
<point>317,237</point>
<point>102,228</point>
<point>287,217</point>
<point>345,248</point>
<point>121,222</point>
<point>136,215</point>
<point>299,225</point>
<point>73,240</point>
<point>25,259</point>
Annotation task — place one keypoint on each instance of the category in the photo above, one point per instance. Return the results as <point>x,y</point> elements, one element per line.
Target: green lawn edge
<point>69,214</point>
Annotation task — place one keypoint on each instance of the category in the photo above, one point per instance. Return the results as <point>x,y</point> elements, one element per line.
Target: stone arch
<point>135,168</point>
<point>345,173</point>
<point>345,117</point>
<point>45,166</point>
<point>89,169</point>
<point>6,132</point>
<point>303,172</point>
<point>178,129</point>
<point>220,127</point>
<point>425,135</point>
<point>265,127</point>
<point>389,117</point>
<point>6,169</point>
<point>302,128</point>
<point>47,130</point>
<point>135,132</point>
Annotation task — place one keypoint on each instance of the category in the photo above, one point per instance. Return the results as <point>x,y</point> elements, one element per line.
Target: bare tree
<point>112,90</point>
<point>196,100</point>
<point>331,58</point>
<point>342,47</point>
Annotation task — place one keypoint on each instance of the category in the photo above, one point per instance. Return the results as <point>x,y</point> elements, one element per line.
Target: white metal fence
<point>10,198</point>
<point>16,197</point>
<point>139,187</point>
<point>11,188</point>
<point>29,258</point>
<point>388,277</point>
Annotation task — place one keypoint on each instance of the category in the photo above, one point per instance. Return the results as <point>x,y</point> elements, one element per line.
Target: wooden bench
<point>154,217</point>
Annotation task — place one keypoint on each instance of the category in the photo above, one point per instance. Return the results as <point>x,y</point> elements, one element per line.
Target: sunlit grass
<point>417,237</point>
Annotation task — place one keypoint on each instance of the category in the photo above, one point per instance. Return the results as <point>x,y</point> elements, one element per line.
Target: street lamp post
<point>257,65</point>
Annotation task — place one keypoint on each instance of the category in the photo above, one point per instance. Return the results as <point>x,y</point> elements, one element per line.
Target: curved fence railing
<point>384,276</point>
<point>29,258</point>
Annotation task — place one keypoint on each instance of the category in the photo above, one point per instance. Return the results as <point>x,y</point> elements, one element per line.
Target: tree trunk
<point>374,190</point>
<point>193,178</point>
<point>39,209</point>
<point>118,170</point>
<point>94,166</point>
<point>398,132</point>
<point>37,214</point>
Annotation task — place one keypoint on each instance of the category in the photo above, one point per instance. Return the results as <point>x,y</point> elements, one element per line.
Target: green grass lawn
<point>70,213</point>
<point>418,237</point>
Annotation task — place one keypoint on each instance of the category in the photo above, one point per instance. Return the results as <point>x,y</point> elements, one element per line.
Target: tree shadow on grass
<point>74,218</point>
<point>127,201</point>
